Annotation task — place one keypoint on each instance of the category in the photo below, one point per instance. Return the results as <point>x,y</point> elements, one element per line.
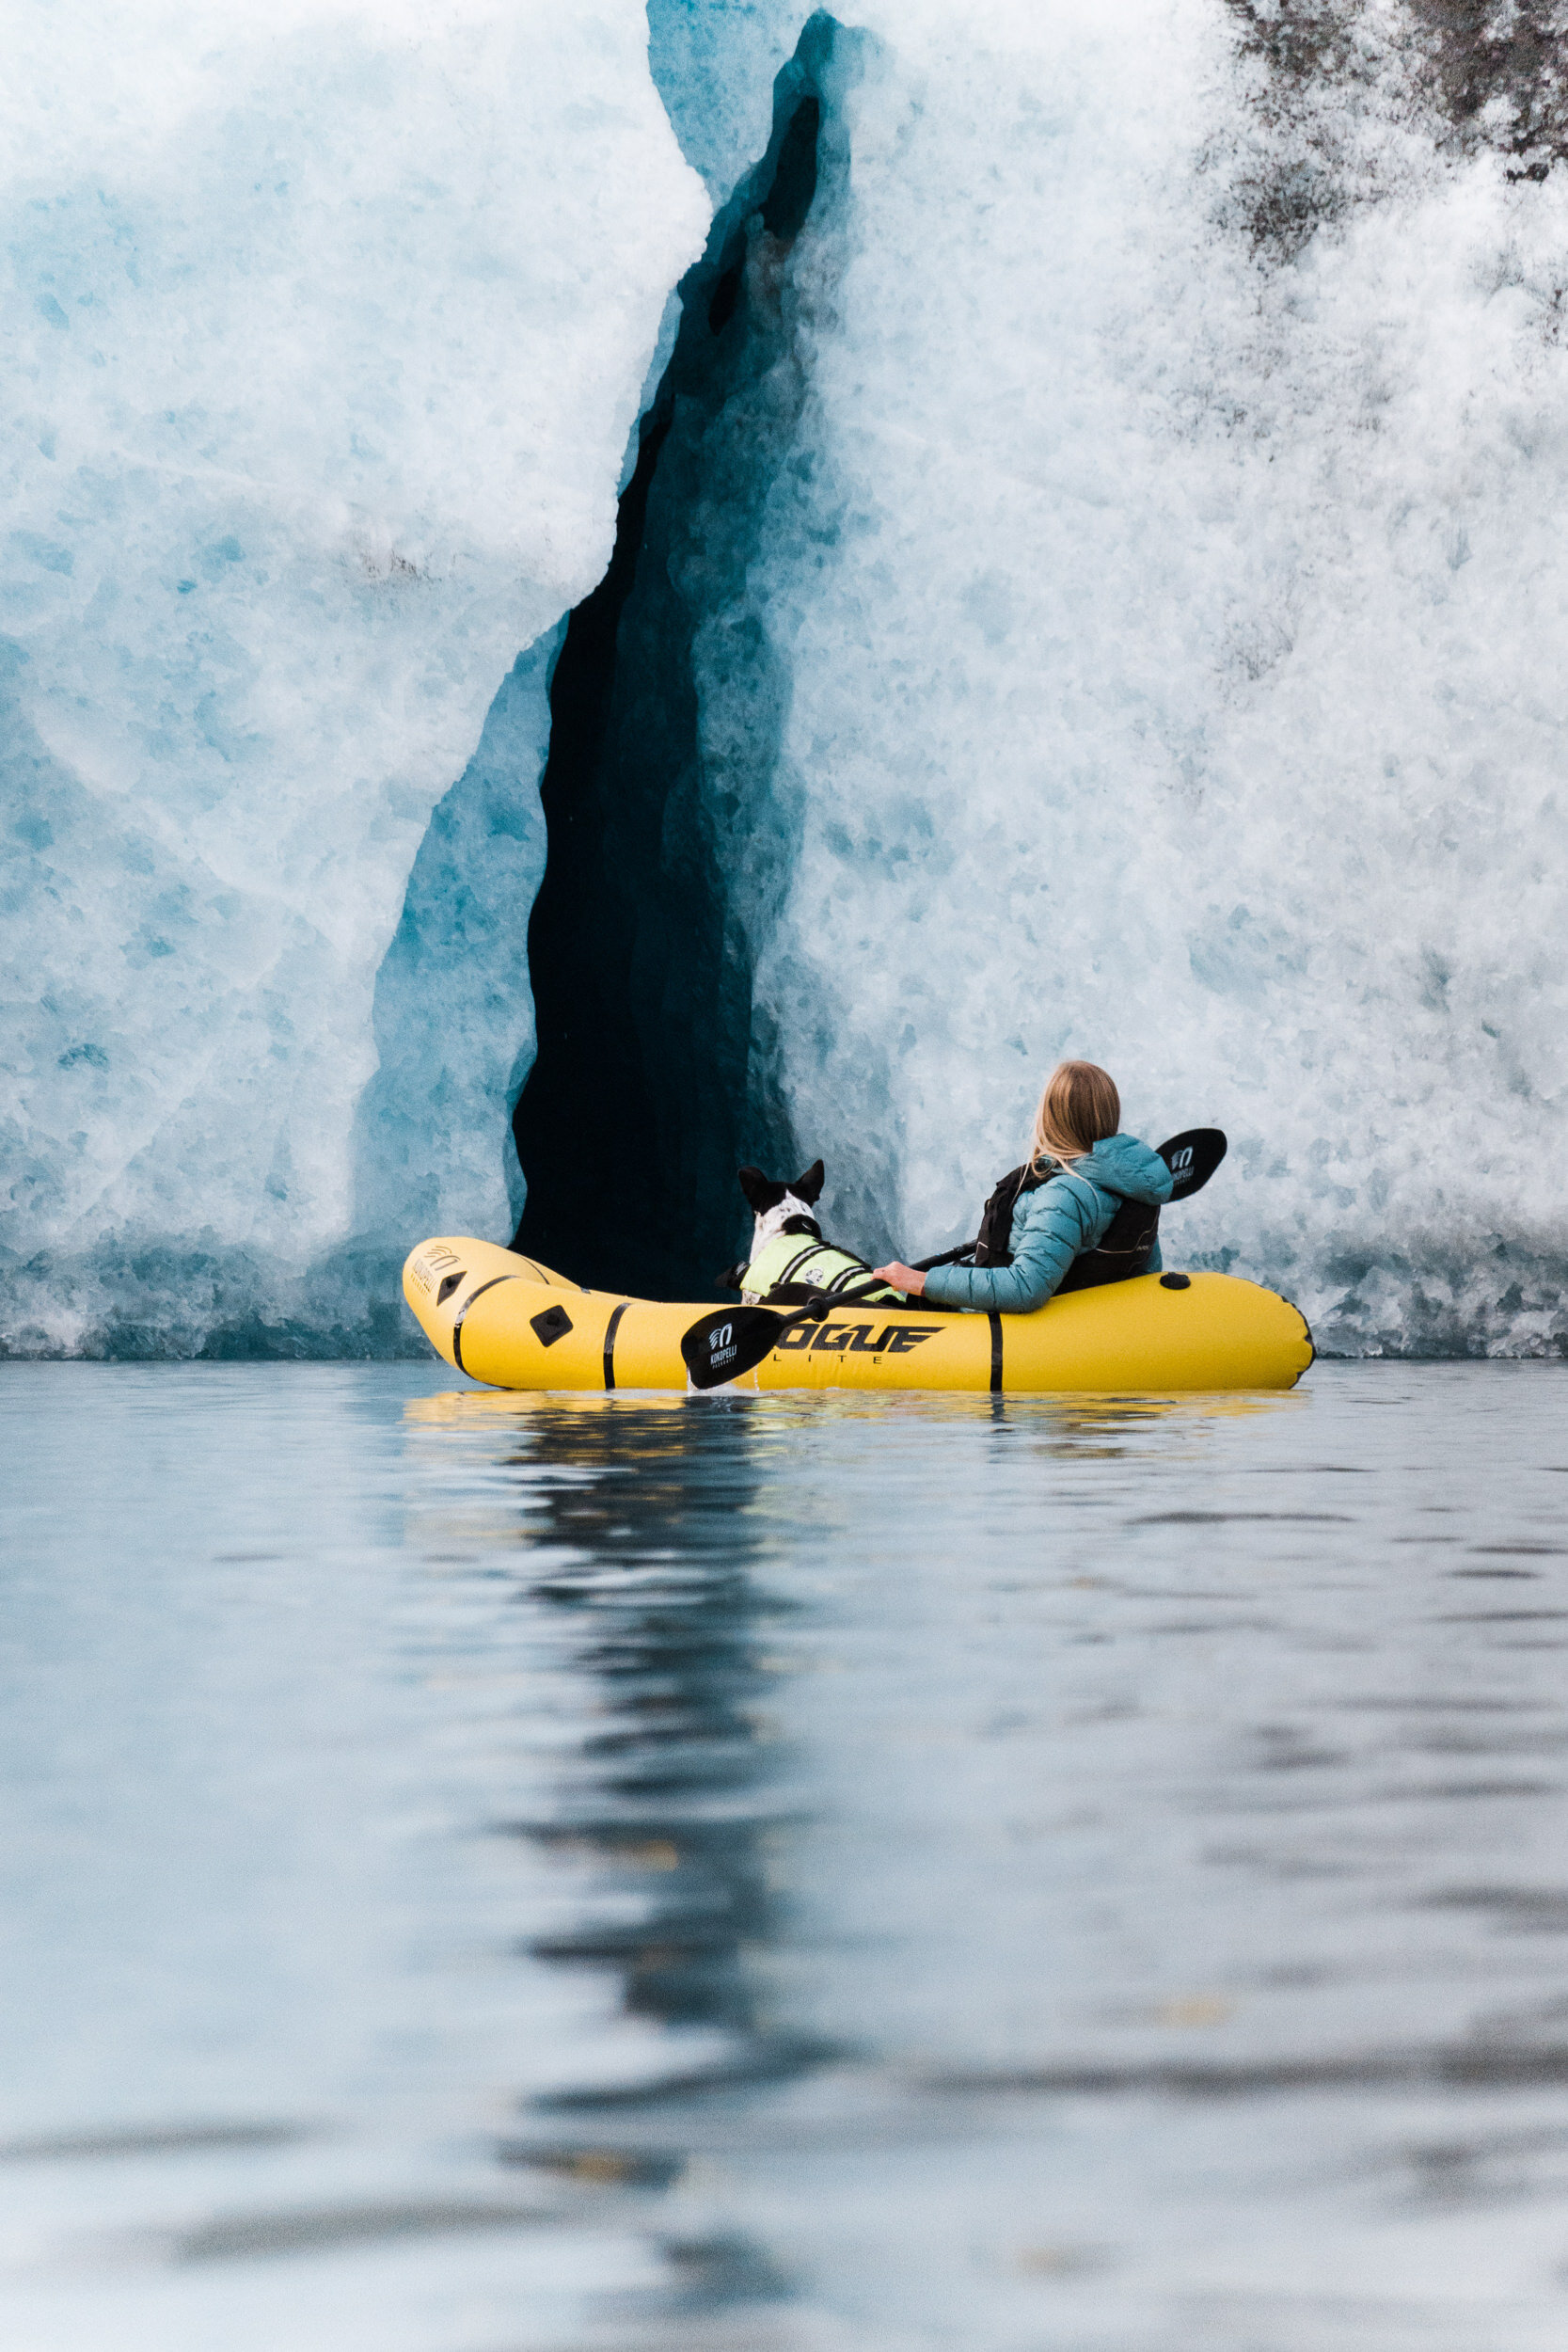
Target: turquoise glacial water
<point>827,1874</point>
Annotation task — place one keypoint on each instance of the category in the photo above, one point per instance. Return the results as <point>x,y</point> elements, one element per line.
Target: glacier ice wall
<point>715,63</point>
<point>1170,590</point>
<point>452,1017</point>
<point>323,339</point>
<point>1115,566</point>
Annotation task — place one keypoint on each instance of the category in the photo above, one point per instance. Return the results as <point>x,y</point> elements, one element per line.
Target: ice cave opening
<point>650,1083</point>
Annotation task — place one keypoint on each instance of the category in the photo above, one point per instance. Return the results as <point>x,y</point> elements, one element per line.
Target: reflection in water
<point>673,1793</point>
<point>1040,1421</point>
<point>655,1520</point>
<point>785,1874</point>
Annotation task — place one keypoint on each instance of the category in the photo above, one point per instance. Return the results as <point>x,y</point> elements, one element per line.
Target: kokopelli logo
<point>720,1338</point>
<point>1182,1161</point>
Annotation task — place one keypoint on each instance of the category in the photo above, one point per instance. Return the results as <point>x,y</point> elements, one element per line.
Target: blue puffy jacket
<point>1054,1225</point>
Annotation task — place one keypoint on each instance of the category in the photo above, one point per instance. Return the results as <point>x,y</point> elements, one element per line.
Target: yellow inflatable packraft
<point>514,1323</point>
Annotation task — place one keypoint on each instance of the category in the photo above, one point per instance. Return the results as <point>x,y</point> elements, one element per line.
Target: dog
<point>787,1211</point>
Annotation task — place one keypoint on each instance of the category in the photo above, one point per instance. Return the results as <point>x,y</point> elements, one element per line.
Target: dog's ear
<point>807,1187</point>
<point>762,1194</point>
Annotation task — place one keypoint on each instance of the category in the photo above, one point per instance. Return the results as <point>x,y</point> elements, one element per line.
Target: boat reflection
<point>645,1530</point>
<point>671,1794</point>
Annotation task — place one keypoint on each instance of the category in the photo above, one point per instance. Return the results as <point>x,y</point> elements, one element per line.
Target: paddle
<point>1191,1156</point>
<point>730,1342</point>
<point>948,1257</point>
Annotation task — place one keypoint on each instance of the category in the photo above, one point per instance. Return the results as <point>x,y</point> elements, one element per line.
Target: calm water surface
<point>486,1874</point>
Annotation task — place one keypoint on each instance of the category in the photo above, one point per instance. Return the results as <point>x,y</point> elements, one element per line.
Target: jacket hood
<point>1131,1169</point>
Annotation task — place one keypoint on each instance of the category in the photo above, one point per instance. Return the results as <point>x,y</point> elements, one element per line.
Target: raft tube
<point>514,1323</point>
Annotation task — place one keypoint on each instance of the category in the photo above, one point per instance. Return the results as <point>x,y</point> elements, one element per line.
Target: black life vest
<point>1124,1249</point>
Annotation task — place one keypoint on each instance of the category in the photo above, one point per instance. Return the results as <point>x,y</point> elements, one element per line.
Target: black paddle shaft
<point>730,1342</point>
<point>1191,1156</point>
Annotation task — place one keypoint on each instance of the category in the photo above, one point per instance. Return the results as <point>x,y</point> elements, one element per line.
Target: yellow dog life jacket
<point>800,1262</point>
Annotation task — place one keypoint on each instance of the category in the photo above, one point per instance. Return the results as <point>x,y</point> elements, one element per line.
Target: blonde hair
<point>1079,1108</point>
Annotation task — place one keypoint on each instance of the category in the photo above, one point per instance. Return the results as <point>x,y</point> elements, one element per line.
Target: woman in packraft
<point>1083,1208</point>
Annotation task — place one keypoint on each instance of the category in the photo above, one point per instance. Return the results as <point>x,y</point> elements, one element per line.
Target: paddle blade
<point>728,1343</point>
<point>1192,1158</point>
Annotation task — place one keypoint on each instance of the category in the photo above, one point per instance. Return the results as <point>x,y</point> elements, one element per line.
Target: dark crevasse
<point>650,1083</point>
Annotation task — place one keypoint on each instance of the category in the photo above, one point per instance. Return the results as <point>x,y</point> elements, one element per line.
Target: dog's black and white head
<point>782,1208</point>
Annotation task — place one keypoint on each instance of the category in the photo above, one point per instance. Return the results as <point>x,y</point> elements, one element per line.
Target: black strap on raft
<point>610,1331</point>
<point>462,1315</point>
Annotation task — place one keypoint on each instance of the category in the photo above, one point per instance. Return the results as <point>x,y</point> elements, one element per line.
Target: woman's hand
<point>903,1277</point>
